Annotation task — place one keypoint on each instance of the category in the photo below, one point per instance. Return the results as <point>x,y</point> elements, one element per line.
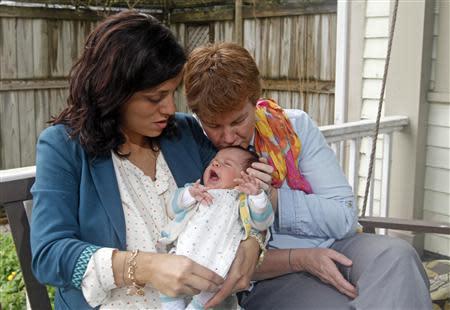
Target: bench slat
<point>370,223</point>
<point>20,231</point>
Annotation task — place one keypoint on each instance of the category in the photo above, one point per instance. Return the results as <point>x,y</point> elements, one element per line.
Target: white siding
<point>438,136</point>
<point>435,156</point>
<point>439,114</point>
<point>437,164</point>
<point>436,202</point>
<point>374,54</point>
<point>376,8</point>
<point>373,68</point>
<point>437,179</point>
<point>376,27</point>
<point>437,174</point>
<point>376,47</point>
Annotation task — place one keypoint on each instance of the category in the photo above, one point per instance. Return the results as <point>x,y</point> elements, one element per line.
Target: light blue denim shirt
<point>330,212</point>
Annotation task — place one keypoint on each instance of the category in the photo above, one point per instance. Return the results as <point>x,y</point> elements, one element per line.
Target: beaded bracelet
<point>136,288</point>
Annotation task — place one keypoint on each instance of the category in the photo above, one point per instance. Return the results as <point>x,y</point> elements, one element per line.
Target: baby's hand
<point>200,193</point>
<point>248,184</point>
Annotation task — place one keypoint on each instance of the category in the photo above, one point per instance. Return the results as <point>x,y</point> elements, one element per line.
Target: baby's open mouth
<point>213,176</point>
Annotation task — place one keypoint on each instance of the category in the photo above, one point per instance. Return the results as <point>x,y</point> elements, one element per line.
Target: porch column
<point>406,90</point>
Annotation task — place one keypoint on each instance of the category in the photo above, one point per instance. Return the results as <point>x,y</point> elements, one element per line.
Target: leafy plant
<point>12,286</point>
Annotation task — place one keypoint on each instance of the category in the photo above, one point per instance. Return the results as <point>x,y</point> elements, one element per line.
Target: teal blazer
<point>76,201</point>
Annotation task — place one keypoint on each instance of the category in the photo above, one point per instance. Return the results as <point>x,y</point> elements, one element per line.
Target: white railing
<point>345,139</point>
<point>17,174</point>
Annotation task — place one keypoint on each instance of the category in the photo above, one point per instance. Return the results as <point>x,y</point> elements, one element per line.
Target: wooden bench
<point>15,187</point>
<point>370,223</point>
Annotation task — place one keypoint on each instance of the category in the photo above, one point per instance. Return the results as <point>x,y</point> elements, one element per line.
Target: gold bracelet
<point>123,269</point>
<point>258,237</point>
<point>136,288</point>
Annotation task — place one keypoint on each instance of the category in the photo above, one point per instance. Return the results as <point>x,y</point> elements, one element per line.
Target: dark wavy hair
<point>126,53</point>
<point>250,159</point>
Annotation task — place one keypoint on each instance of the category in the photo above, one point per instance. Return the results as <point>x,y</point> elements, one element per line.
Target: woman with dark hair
<point>107,167</point>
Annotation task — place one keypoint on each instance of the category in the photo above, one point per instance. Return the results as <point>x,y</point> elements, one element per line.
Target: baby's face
<point>224,168</point>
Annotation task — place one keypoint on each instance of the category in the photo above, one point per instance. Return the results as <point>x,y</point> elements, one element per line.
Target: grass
<point>12,286</point>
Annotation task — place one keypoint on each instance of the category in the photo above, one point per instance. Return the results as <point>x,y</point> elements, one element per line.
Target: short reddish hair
<point>219,78</point>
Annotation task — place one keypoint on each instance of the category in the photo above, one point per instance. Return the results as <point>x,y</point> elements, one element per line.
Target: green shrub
<point>12,287</point>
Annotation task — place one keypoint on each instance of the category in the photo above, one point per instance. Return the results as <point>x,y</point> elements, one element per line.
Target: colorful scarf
<point>276,140</point>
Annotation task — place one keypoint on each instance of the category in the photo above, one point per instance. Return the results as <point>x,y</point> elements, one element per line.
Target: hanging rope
<point>380,106</point>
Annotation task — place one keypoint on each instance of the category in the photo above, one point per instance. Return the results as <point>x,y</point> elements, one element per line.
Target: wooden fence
<point>293,45</point>
<point>37,50</point>
<point>295,55</point>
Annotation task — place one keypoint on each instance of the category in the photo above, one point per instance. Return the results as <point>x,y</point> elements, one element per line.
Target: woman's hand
<point>263,172</point>
<point>172,275</point>
<point>176,275</point>
<point>322,264</point>
<point>240,272</point>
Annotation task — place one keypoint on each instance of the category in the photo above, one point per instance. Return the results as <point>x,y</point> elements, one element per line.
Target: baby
<point>209,222</point>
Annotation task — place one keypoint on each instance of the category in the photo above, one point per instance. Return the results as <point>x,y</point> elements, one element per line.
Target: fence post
<point>238,22</point>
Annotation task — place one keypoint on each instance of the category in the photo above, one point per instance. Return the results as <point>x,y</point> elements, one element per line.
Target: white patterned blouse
<point>143,202</point>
